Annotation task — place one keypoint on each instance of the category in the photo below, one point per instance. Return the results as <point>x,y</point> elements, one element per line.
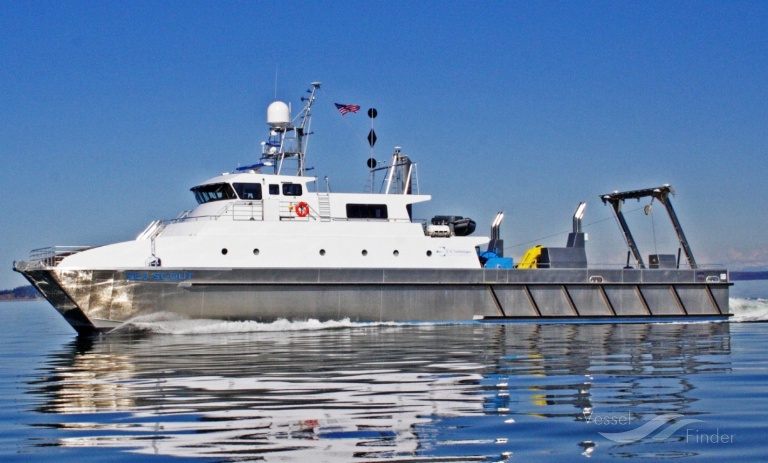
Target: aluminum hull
<point>98,300</point>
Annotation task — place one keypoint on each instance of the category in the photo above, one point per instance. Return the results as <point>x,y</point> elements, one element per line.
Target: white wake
<point>169,323</point>
<point>749,310</point>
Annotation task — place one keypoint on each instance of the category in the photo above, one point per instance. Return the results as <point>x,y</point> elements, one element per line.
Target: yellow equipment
<point>531,258</point>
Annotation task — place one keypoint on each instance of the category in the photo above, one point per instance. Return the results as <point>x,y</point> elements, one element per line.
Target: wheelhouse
<point>213,192</point>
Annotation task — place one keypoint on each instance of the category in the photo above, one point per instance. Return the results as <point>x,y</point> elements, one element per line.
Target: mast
<point>400,176</point>
<point>286,140</point>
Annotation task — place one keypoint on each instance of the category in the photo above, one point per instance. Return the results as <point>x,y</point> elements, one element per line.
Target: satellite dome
<point>278,114</point>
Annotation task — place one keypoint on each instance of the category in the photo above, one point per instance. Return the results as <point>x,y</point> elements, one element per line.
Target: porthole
<point>365,253</point>
<point>322,252</point>
<point>256,252</point>
<point>395,253</point>
<point>429,253</point>
<point>224,251</point>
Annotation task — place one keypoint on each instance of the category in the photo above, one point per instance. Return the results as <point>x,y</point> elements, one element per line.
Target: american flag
<point>347,108</point>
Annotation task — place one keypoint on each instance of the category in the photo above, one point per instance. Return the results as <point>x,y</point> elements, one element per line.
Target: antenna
<point>276,68</point>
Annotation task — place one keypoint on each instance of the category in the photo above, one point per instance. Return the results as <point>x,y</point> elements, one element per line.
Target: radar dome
<point>278,114</point>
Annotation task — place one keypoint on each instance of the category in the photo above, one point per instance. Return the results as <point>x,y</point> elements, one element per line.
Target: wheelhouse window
<point>248,190</point>
<point>291,189</point>
<point>213,192</point>
<point>366,211</point>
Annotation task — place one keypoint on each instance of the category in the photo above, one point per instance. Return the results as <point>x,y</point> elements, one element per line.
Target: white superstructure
<point>254,219</point>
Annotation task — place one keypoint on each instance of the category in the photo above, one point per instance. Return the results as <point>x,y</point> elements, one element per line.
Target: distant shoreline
<point>744,276</point>
<point>21,293</point>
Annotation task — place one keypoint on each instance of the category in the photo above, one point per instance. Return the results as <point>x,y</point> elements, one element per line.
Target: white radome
<point>278,114</point>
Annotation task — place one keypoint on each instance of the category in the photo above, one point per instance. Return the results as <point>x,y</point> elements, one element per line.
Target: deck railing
<point>53,255</point>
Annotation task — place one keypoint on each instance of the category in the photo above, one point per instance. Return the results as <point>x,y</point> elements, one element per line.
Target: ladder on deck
<point>324,206</point>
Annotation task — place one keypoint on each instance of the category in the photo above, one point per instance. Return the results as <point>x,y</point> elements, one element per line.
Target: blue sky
<point>111,111</point>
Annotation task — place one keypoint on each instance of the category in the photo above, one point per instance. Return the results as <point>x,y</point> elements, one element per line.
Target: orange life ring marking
<point>302,209</point>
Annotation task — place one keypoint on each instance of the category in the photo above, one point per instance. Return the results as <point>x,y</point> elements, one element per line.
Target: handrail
<point>232,209</point>
<point>51,256</point>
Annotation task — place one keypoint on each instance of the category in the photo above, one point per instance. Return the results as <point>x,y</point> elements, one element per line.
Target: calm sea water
<point>300,392</point>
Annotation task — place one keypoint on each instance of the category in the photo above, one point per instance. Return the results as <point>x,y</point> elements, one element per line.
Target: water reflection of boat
<point>381,392</point>
<point>264,245</point>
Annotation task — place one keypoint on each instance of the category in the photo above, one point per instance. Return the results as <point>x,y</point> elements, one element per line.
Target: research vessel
<point>266,241</point>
